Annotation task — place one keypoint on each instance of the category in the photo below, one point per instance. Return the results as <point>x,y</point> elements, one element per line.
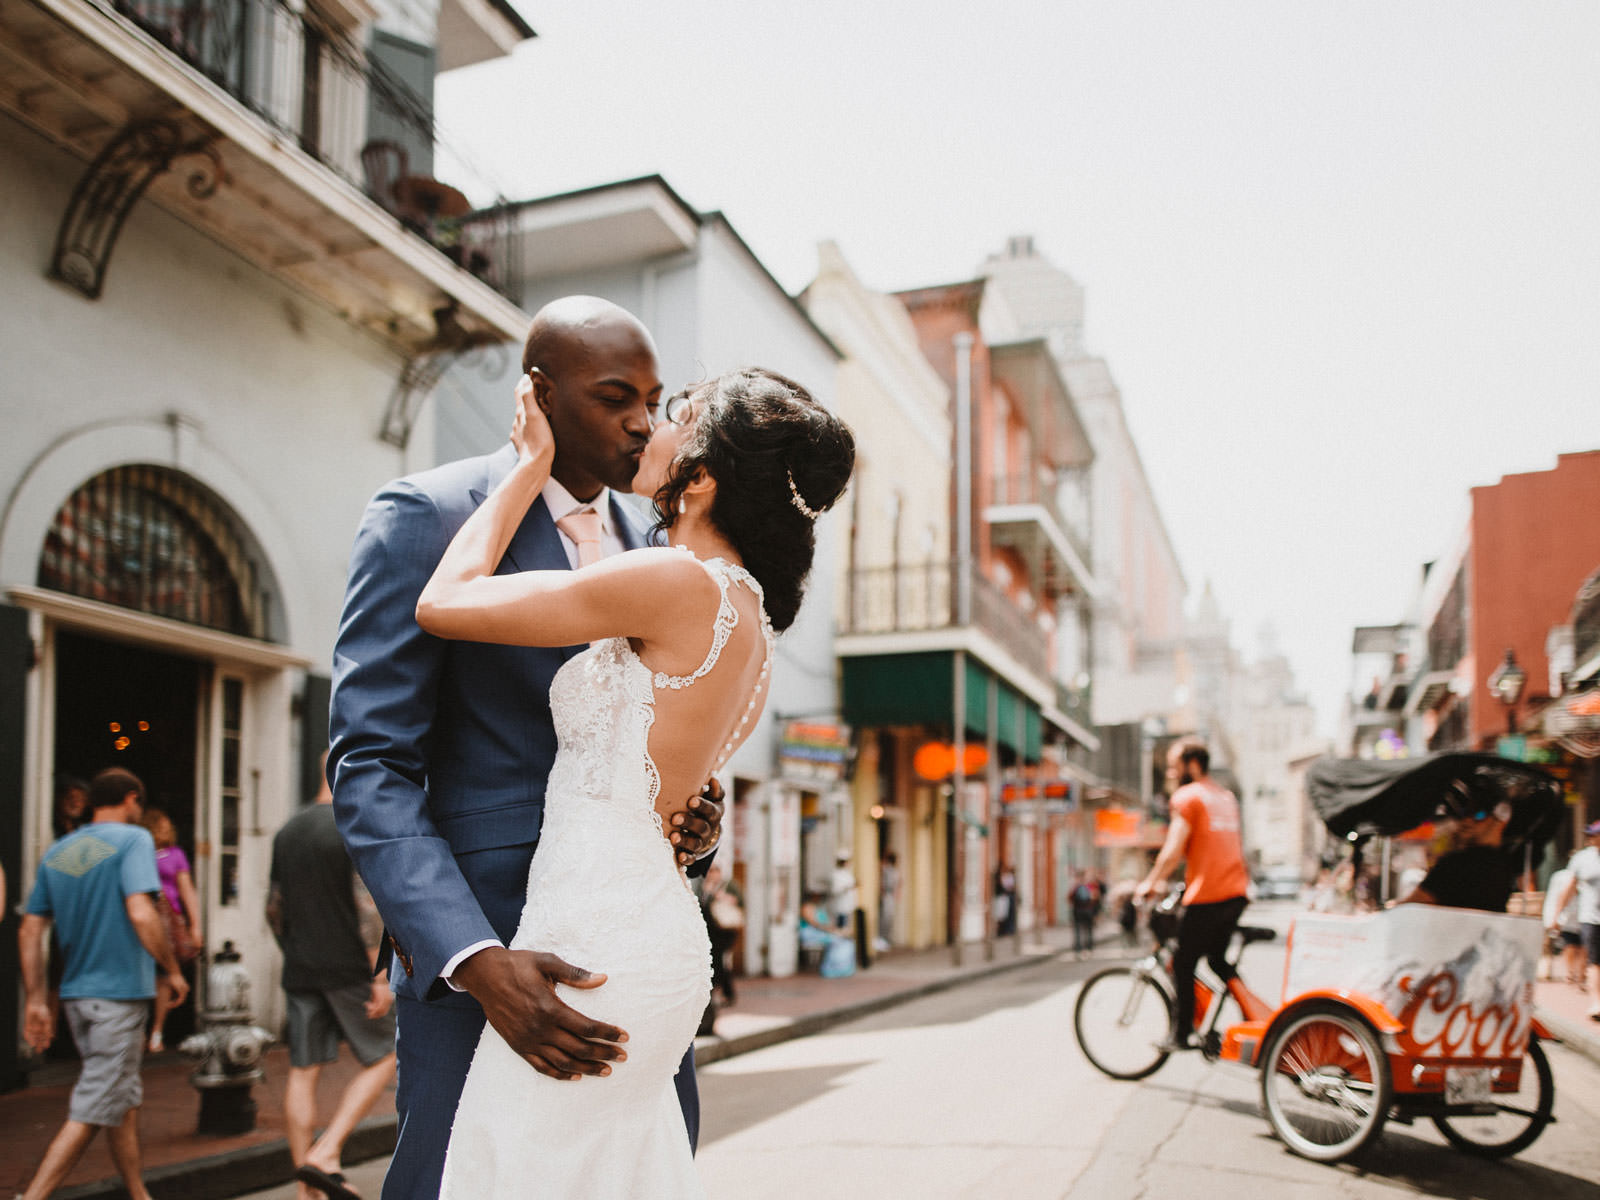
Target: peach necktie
<point>582,525</point>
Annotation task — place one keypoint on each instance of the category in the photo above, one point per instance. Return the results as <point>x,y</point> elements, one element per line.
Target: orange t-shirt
<point>1216,869</point>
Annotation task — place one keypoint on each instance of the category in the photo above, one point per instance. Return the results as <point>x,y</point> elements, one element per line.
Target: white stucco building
<point>898,545</point>
<point>220,315</point>
<point>1274,728</point>
<point>1134,669</point>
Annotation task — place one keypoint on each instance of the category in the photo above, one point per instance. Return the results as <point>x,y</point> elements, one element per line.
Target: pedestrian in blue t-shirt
<point>97,885</point>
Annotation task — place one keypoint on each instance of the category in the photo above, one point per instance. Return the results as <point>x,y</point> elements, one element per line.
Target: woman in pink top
<point>177,886</point>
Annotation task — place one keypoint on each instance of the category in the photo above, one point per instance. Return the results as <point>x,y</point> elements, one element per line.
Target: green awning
<point>897,689</point>
<point>918,689</point>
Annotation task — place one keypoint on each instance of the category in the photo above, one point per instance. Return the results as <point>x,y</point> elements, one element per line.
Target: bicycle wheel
<point>1325,1083</point>
<point>1120,1016</point>
<point>1522,1117</point>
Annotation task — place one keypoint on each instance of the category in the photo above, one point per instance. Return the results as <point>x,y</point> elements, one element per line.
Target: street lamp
<point>1506,686</point>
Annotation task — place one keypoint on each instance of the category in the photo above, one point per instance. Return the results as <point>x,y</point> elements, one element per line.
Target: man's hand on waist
<point>517,991</point>
<point>696,830</point>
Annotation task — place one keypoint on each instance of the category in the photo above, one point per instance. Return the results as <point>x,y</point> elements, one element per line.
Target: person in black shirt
<point>329,931</point>
<point>1475,872</point>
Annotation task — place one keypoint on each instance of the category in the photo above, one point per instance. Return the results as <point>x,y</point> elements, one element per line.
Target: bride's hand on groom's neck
<point>517,991</point>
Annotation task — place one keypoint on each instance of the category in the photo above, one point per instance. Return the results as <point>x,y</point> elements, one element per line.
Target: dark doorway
<point>125,706</point>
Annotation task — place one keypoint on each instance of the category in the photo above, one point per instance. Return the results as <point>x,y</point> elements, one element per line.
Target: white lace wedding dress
<point>604,893</point>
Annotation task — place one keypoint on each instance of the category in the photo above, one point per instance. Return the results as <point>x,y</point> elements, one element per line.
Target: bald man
<point>440,750</point>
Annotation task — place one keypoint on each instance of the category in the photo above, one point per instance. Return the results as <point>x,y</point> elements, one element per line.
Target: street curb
<point>715,1049</point>
<point>220,1176</point>
<point>1572,1034</point>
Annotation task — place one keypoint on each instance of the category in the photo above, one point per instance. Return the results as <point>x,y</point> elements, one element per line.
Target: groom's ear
<point>542,386</point>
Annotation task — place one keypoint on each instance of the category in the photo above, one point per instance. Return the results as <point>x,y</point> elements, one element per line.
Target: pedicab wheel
<point>1121,1015</point>
<point>1325,1083</point>
<point>1522,1117</point>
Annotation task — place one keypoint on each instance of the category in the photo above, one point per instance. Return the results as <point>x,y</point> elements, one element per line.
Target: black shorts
<point>1591,943</point>
<point>318,1020</point>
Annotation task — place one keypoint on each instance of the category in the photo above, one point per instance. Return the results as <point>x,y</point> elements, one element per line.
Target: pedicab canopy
<point>1368,797</point>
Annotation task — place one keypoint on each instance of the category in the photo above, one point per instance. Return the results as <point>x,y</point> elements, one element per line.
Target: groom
<point>440,750</point>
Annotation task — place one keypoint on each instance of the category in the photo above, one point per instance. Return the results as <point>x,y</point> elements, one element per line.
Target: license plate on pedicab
<point>1468,1085</point>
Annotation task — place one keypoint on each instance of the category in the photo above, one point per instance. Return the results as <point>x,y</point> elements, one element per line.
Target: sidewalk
<point>1565,1010</point>
<point>181,1165</point>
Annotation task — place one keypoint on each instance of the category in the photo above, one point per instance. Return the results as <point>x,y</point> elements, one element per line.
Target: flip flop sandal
<point>329,1183</point>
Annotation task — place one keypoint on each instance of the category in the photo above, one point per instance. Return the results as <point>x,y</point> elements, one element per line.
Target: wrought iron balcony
<point>1076,702</point>
<point>254,125</point>
<point>306,79</point>
<point>922,598</point>
<point>1586,629</point>
<point>1025,511</point>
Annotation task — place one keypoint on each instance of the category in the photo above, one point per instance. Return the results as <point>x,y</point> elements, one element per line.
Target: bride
<point>673,681</point>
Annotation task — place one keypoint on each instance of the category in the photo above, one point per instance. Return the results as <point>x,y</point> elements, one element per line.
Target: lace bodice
<point>603,705</point>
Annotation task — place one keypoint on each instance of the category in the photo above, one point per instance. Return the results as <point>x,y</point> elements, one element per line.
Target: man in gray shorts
<point>329,930</point>
<point>97,884</point>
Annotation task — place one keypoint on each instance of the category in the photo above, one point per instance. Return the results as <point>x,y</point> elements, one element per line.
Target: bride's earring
<point>683,506</point>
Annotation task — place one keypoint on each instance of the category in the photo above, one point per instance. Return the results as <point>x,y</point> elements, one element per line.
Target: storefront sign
<point>935,761</point>
<point>810,750</point>
<point>1116,827</point>
<point>1047,795</point>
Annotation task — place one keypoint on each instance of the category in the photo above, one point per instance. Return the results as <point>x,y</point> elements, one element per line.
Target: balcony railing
<point>1076,702</point>
<point>911,599</point>
<point>306,79</point>
<point>1046,491</point>
<point>1586,622</point>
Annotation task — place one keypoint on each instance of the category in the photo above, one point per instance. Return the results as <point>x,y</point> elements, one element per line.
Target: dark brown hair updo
<point>755,431</point>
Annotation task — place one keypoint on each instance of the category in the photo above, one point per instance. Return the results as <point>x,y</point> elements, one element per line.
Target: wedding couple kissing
<point>532,695</point>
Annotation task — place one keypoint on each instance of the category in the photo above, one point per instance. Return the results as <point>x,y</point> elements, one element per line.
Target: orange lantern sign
<point>934,761</point>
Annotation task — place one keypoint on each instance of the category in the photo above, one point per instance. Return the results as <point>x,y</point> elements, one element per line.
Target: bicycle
<point>1336,1063</point>
<point>1124,1012</point>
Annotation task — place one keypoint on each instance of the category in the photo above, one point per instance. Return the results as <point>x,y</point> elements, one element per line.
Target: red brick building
<point>1531,541</point>
<point>1534,539</point>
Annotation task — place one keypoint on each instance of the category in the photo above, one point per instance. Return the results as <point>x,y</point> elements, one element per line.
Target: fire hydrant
<point>229,1048</point>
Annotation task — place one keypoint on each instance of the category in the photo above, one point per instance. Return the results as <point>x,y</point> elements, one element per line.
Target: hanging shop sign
<point>815,750</point>
<point>1116,827</point>
<point>1051,795</point>
<point>935,761</point>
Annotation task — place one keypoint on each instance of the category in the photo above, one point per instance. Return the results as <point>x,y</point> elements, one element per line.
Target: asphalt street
<point>981,1091</point>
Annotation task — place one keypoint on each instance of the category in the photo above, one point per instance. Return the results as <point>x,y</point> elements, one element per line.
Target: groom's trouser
<point>436,1041</point>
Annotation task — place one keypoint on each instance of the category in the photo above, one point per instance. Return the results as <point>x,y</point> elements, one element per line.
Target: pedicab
<point>1416,1011</point>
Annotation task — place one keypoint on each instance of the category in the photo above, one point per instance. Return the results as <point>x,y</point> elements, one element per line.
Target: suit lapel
<point>630,533</point>
<point>536,546</point>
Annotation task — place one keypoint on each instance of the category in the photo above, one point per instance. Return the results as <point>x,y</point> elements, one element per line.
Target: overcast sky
<point>1343,258</point>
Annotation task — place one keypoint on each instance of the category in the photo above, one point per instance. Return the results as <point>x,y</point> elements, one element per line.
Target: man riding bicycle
<point>1204,829</point>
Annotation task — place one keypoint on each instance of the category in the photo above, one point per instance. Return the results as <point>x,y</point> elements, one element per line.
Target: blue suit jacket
<point>440,750</point>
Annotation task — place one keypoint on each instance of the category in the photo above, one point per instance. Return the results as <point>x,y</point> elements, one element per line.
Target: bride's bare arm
<point>637,594</point>
<point>653,595</point>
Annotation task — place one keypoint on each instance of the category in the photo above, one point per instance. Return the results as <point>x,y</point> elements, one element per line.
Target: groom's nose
<point>636,420</point>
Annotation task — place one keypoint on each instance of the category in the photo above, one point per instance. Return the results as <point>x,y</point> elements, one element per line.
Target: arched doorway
<point>152,540</point>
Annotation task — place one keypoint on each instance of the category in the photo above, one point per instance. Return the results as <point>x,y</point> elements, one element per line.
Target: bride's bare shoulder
<point>673,572</point>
